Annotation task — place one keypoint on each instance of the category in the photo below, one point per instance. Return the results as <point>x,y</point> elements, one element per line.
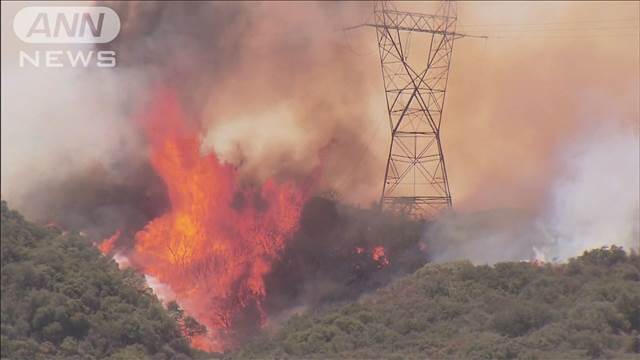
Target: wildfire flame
<point>106,246</point>
<point>219,240</point>
<point>378,255</point>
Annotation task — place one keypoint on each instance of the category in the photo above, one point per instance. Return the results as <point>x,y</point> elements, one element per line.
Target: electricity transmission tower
<point>416,177</point>
<point>415,55</point>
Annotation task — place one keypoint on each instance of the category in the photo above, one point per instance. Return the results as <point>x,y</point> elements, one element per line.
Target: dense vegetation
<point>587,308</point>
<point>62,300</point>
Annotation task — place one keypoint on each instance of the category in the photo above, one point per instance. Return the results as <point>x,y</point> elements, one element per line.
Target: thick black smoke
<point>331,260</point>
<point>98,203</point>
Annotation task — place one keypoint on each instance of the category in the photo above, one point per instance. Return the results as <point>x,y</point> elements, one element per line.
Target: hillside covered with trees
<point>61,299</point>
<point>587,308</point>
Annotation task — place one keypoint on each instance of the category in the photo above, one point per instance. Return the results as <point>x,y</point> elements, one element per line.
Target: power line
<point>346,40</point>
<point>498,36</point>
<point>553,23</point>
<point>565,29</point>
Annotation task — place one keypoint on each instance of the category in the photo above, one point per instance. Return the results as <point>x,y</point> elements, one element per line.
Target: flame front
<point>218,241</point>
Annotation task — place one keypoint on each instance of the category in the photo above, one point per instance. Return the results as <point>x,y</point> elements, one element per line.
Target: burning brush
<point>217,242</point>
<point>220,248</point>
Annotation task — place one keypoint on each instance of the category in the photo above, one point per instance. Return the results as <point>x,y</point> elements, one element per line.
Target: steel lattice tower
<point>415,83</point>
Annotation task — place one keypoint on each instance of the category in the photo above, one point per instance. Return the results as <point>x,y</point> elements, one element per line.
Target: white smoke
<point>593,201</point>
<point>596,202</point>
<point>56,121</point>
<point>162,291</point>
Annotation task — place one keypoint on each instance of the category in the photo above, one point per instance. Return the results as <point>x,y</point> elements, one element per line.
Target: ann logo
<point>72,27</point>
<point>66,25</point>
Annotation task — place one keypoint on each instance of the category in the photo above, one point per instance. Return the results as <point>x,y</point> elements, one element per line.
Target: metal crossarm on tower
<point>415,83</point>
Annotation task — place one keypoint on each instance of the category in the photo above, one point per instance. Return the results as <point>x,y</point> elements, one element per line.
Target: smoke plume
<point>594,201</point>
<point>274,88</point>
<point>278,88</point>
<point>597,202</point>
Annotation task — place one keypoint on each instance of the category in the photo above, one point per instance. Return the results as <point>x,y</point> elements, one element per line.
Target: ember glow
<point>219,240</point>
<point>379,256</point>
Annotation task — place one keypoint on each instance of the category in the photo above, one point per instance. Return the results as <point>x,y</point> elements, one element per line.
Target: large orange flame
<point>219,240</point>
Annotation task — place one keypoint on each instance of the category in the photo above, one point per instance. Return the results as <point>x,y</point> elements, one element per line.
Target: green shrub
<point>61,299</point>
<point>521,318</point>
<point>586,308</point>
